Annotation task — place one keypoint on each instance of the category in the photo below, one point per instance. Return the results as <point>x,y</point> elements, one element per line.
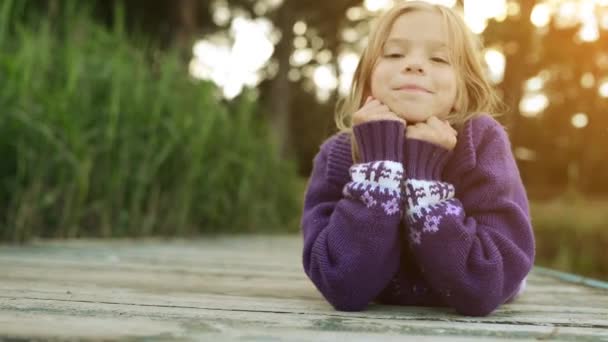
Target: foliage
<point>104,135</point>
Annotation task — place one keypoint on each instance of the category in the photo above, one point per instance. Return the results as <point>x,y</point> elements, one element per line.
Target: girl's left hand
<point>434,131</point>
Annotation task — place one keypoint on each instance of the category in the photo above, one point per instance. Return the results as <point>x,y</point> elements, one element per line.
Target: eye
<point>393,55</point>
<point>439,60</point>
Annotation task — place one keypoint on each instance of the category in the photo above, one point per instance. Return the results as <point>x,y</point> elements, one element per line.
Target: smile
<point>414,88</point>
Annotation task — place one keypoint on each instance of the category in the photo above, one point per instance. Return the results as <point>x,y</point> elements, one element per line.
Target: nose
<point>414,68</point>
<point>414,64</point>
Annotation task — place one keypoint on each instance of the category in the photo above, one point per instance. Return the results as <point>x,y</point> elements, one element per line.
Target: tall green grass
<point>572,235</point>
<point>104,135</point>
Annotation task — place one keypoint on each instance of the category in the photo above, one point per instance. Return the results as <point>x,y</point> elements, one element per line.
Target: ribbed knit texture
<point>415,224</point>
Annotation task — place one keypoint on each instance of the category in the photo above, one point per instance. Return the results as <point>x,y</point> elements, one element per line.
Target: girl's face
<point>413,75</point>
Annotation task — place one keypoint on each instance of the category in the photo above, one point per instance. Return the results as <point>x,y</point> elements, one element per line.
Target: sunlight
<point>299,28</point>
<point>348,64</point>
<point>534,84</point>
<point>221,13</point>
<point>532,105</point>
<point>478,12</point>
<point>496,62</point>
<point>604,19</point>
<point>326,81</point>
<point>447,3</point>
<point>234,66</point>
<point>236,61</point>
<point>580,120</point>
<point>541,15</point>
<point>301,57</point>
<point>567,13</point>
<point>603,89</point>
<point>377,5</point>
<point>587,80</point>
<point>476,22</point>
<point>523,153</point>
<point>590,31</point>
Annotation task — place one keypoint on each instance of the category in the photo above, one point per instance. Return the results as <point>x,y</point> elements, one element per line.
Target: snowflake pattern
<point>427,203</point>
<point>452,210</point>
<point>431,224</point>
<point>377,184</point>
<point>391,207</point>
<point>368,199</point>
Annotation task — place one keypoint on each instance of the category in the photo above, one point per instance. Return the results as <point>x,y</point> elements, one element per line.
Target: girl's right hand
<point>374,110</point>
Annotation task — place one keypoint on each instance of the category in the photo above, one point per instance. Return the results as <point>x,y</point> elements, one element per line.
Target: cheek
<point>448,85</point>
<point>379,80</point>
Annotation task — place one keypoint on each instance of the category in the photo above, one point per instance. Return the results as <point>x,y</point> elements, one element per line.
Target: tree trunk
<point>514,75</point>
<point>280,96</point>
<point>186,11</point>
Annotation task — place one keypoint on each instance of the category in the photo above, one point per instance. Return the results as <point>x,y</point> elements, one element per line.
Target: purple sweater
<point>416,224</point>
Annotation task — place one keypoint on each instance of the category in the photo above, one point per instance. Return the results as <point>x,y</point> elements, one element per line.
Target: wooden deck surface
<point>247,289</point>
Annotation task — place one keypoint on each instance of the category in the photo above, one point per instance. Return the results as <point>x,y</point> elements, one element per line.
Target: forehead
<point>419,26</point>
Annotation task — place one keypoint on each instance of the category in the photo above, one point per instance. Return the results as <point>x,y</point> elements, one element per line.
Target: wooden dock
<point>248,288</point>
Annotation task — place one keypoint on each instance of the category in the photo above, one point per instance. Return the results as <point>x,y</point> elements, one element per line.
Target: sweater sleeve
<point>474,244</point>
<point>351,230</point>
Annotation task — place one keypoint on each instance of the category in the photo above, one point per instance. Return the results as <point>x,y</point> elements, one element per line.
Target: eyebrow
<point>401,41</point>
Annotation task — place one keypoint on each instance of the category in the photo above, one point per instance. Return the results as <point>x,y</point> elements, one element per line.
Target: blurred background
<point>186,117</point>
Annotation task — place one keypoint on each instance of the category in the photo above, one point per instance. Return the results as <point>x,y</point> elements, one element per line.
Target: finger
<point>372,103</point>
<point>386,116</point>
<point>367,108</point>
<point>452,129</point>
<point>378,110</point>
<point>415,132</point>
<point>440,126</point>
<point>383,112</point>
<point>435,123</point>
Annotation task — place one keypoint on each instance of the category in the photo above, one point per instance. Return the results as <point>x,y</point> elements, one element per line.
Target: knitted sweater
<point>416,224</point>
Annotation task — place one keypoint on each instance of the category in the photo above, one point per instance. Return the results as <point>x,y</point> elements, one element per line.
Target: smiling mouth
<point>411,88</point>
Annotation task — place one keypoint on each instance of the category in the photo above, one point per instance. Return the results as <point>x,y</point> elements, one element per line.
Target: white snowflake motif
<point>415,236</point>
<point>431,224</point>
<point>452,210</point>
<point>368,200</point>
<point>391,207</point>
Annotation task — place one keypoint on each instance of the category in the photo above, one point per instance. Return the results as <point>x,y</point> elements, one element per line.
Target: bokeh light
<point>496,62</point>
<point>580,120</point>
<point>533,104</point>
<point>603,89</point>
<point>231,64</point>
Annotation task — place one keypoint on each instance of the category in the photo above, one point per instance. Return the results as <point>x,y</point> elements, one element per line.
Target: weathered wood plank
<point>241,288</point>
<point>509,314</point>
<point>78,318</point>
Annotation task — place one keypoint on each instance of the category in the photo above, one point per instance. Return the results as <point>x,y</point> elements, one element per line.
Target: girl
<point>418,200</point>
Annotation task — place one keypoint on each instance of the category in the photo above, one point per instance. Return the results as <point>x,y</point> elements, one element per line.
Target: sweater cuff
<point>424,160</point>
<point>380,140</point>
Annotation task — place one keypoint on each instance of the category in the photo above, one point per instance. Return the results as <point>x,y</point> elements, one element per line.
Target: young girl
<point>418,201</point>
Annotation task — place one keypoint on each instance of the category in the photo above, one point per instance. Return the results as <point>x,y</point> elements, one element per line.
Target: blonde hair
<point>475,94</point>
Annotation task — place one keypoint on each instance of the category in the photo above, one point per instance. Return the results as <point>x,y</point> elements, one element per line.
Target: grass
<point>104,135</point>
<point>572,235</point>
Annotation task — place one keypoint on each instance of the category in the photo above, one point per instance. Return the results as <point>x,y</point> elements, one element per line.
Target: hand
<point>434,131</point>
<point>374,110</point>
